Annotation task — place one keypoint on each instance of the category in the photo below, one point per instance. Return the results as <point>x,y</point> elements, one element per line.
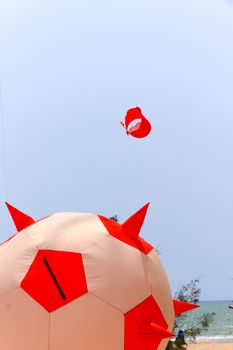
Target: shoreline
<point>210,346</point>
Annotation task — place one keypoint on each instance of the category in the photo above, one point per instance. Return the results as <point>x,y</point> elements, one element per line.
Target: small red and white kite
<point>142,127</point>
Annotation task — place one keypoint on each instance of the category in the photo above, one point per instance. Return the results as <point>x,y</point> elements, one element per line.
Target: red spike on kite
<point>180,306</point>
<point>132,226</point>
<point>141,129</point>
<point>20,219</point>
<point>152,328</point>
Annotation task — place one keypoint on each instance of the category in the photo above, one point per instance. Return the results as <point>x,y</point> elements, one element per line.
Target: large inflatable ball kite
<point>142,127</point>
<point>81,281</point>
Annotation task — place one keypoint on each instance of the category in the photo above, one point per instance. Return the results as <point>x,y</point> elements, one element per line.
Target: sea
<point>221,329</point>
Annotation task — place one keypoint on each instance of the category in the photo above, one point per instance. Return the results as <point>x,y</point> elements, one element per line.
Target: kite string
<point>2,126</point>
<point>5,183</point>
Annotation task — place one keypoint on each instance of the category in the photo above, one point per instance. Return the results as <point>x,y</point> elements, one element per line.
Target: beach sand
<point>211,346</point>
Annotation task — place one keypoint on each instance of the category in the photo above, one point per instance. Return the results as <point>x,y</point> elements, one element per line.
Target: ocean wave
<point>215,338</point>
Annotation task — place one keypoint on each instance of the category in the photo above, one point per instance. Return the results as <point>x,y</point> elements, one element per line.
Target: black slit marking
<point>54,279</point>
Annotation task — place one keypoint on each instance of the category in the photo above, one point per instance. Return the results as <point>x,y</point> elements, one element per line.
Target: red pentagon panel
<point>55,278</point>
<point>115,230</point>
<point>137,333</point>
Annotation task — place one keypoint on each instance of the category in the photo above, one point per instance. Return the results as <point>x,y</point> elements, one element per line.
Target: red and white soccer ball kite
<point>81,281</point>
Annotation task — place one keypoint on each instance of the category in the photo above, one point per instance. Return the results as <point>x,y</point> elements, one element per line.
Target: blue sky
<point>69,72</point>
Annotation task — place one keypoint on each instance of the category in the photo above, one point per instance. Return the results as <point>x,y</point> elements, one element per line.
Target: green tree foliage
<point>114,218</point>
<point>192,324</point>
<point>189,292</point>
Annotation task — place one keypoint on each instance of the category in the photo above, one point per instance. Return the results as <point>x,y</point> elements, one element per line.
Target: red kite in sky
<point>142,127</point>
